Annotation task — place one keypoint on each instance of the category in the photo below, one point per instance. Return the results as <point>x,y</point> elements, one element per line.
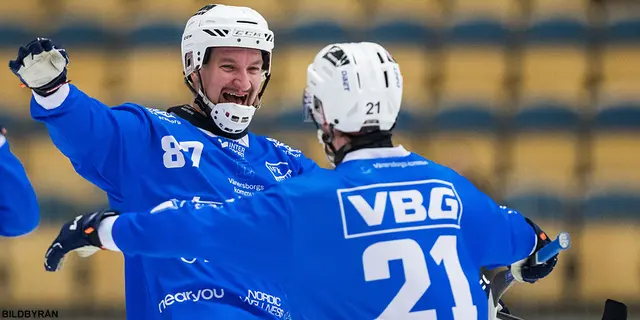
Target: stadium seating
<point>323,21</point>
<point>559,22</point>
<point>103,268</point>
<point>154,78</point>
<point>616,266</point>
<point>473,88</point>
<point>62,193</point>
<point>19,22</point>
<point>481,22</point>
<point>31,285</point>
<point>404,21</point>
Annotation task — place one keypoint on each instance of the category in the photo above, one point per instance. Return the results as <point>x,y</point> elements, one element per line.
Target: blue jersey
<point>19,213</point>
<point>388,234</point>
<point>142,156</point>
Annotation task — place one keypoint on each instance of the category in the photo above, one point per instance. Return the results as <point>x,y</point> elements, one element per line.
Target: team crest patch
<point>279,170</point>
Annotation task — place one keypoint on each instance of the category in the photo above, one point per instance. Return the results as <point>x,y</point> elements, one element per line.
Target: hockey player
<point>142,156</point>
<point>387,235</point>
<point>19,212</point>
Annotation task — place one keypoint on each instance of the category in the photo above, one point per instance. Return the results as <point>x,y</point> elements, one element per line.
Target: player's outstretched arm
<point>19,212</point>
<point>500,236</point>
<point>252,233</point>
<point>85,130</point>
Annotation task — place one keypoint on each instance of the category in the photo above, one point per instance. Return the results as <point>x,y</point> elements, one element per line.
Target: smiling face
<point>233,75</point>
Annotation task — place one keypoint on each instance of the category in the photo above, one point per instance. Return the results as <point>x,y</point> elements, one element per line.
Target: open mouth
<point>235,98</point>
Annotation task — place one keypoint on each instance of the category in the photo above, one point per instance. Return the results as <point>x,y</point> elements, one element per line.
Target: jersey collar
<point>243,141</point>
<point>376,153</point>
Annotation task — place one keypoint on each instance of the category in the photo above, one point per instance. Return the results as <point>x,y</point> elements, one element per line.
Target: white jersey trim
<point>377,153</point>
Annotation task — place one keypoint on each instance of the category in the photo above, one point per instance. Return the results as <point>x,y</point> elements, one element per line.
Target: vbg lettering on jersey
<point>401,206</point>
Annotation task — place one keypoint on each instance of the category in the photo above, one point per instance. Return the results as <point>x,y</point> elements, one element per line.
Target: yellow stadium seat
<point>165,11</point>
<point>621,79</point>
<point>25,14</point>
<point>544,160</point>
<point>155,76</point>
<point>467,153</point>
<point>615,159</point>
<point>416,68</point>
<point>274,11</point>
<point>52,175</point>
<point>107,270</point>
<point>501,10</point>
<point>30,283</point>
<point>14,99</point>
<point>428,11</point>
<point>554,72</point>
<point>272,99</point>
<point>88,71</point>
<point>474,73</point>
<point>347,13</point>
<point>111,14</point>
<point>293,75</point>
<point>549,289</point>
<point>550,8</point>
<point>607,270</point>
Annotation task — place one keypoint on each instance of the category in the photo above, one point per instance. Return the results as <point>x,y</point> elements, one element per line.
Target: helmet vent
<point>247,22</point>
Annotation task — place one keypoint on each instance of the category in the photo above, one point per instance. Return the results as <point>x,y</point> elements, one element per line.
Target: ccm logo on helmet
<point>249,34</point>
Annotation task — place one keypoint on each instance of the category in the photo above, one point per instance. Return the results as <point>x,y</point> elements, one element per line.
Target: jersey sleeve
<point>496,235</point>
<point>97,139</point>
<point>306,165</point>
<point>19,212</point>
<point>252,233</point>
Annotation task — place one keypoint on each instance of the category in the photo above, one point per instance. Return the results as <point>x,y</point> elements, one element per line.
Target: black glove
<point>80,235</point>
<point>41,66</point>
<point>526,270</point>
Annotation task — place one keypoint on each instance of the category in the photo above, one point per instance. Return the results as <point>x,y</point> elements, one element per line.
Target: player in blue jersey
<point>142,156</point>
<point>19,212</point>
<point>388,234</point>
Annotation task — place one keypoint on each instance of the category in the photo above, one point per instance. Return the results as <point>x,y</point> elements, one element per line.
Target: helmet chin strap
<point>373,139</point>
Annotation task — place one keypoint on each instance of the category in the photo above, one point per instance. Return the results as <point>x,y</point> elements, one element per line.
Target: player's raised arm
<point>500,236</point>
<point>84,129</point>
<point>251,233</point>
<point>19,213</point>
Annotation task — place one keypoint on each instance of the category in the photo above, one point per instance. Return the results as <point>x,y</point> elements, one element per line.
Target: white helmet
<point>226,26</point>
<point>354,86</point>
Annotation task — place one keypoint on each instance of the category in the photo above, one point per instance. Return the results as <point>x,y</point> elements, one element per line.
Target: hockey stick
<point>503,280</point>
<point>503,316</point>
<point>613,310</point>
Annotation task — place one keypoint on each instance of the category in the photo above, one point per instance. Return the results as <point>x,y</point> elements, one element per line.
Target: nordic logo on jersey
<point>400,206</point>
<point>279,170</point>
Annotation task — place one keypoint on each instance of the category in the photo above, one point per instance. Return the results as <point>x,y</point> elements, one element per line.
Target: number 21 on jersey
<point>375,260</point>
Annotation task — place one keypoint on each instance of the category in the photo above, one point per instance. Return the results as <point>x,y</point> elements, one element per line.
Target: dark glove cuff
<point>53,86</point>
<point>541,236</point>
<point>91,230</point>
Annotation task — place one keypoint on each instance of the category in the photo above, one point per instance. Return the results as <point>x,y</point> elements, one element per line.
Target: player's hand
<point>526,270</point>
<point>80,235</point>
<point>41,66</point>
